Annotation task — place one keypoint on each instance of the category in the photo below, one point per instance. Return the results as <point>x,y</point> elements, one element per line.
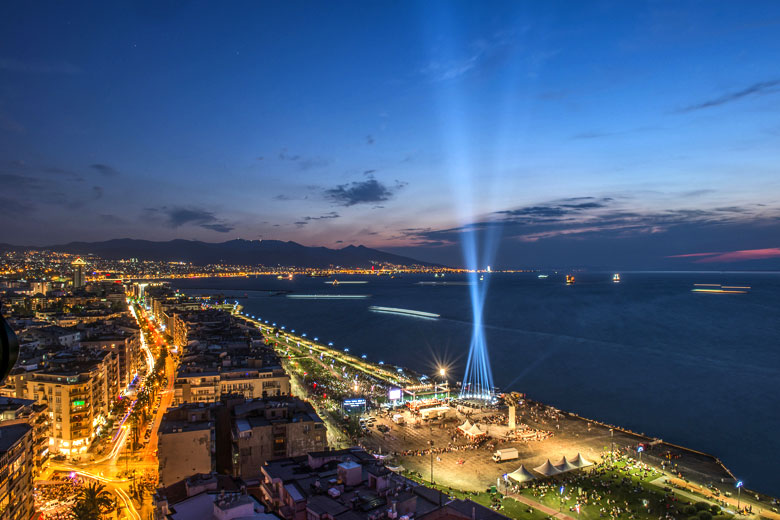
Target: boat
<point>335,282</point>
<point>481,277</point>
<point>542,276</point>
<point>569,279</point>
<point>616,278</point>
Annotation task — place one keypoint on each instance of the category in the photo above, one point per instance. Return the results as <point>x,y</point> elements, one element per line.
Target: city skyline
<point>640,136</point>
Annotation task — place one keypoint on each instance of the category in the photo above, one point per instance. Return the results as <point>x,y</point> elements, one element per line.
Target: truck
<point>505,454</point>
<point>398,418</point>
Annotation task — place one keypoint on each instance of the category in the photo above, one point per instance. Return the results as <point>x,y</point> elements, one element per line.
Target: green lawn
<point>509,507</point>
<point>603,491</point>
<point>618,491</point>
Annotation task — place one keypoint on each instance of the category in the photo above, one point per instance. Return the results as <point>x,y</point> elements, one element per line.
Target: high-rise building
<point>79,273</point>
<point>16,465</point>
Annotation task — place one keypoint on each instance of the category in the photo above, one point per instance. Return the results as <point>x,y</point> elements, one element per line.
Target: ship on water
<point>569,279</point>
<point>542,276</point>
<point>616,277</point>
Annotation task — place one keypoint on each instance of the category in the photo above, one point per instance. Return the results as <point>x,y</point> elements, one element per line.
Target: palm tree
<point>94,501</point>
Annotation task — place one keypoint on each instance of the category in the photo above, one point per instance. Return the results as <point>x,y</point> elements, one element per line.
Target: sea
<point>692,358</point>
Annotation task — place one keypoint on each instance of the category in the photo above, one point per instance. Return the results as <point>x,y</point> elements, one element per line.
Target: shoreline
<point>689,461</point>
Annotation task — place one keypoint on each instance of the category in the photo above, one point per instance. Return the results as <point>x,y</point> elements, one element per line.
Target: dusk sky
<point>605,133</point>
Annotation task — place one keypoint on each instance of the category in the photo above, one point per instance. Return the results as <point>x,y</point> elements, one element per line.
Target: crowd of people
<point>54,498</point>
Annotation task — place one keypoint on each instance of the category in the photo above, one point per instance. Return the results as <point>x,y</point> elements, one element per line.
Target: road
<point>371,369</point>
<point>106,468</point>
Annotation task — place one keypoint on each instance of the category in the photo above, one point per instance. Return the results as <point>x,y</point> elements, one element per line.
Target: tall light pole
<point>430,443</point>
<point>443,373</point>
<point>612,439</point>
<point>561,508</point>
<point>739,492</point>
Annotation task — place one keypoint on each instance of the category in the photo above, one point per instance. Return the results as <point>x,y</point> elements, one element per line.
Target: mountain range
<point>235,252</point>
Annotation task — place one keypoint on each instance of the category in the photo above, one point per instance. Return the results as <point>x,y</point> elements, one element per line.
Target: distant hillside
<point>244,252</point>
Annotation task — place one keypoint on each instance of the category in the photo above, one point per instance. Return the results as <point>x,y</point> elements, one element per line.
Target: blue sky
<point>567,133</point>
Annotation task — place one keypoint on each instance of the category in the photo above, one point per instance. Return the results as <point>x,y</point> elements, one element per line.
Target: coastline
<point>705,469</point>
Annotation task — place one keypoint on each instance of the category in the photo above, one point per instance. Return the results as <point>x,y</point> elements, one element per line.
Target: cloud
<point>109,218</point>
<point>282,196</point>
<point>38,68</point>
<point>300,223</point>
<point>481,53</point>
<point>761,88</point>
<point>220,228</point>
<point>285,156</point>
<point>732,256</point>
<point>585,217</point>
<point>97,192</point>
<point>63,172</point>
<point>361,192</point>
<point>592,135</point>
<point>304,163</point>
<point>105,170</point>
<point>312,162</point>
<point>369,172</point>
<point>369,139</point>
<point>180,216</point>
<point>330,215</point>
<point>13,207</point>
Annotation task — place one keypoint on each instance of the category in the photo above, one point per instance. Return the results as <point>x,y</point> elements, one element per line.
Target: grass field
<point>620,489</point>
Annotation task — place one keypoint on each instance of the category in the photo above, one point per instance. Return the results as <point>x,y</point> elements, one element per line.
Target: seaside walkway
<point>690,491</point>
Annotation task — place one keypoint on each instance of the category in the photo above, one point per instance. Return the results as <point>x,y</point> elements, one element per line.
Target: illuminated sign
<point>394,394</point>
<point>78,403</point>
<point>354,403</point>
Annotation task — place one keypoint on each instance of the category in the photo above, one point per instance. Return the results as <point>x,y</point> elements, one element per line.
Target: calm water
<point>701,370</point>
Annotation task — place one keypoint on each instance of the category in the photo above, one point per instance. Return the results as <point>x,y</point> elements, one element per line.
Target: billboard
<point>394,394</point>
<point>354,403</point>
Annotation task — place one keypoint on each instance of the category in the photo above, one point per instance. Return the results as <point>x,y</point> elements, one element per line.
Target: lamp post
<point>561,508</point>
<point>443,373</point>
<point>612,440</point>
<point>430,443</point>
<point>739,492</point>
<point>124,427</point>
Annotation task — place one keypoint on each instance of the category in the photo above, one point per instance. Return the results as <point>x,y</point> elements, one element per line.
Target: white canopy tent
<point>564,465</point>
<point>520,475</point>
<point>547,469</point>
<point>474,431</point>
<point>581,462</point>
<point>466,426</point>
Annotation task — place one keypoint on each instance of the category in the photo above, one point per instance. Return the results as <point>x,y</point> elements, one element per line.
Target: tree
<point>93,502</point>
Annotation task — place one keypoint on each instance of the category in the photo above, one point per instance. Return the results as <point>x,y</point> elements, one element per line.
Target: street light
<point>739,492</point>
<point>561,508</point>
<point>612,437</point>
<point>430,443</point>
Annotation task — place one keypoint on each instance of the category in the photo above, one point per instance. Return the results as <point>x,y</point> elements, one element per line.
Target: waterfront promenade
<point>472,470</point>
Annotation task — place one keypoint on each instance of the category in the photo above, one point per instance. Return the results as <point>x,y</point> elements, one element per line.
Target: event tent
<point>547,469</point>
<point>466,426</point>
<point>564,465</point>
<point>474,431</point>
<point>581,462</point>
<point>520,475</point>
